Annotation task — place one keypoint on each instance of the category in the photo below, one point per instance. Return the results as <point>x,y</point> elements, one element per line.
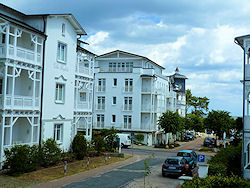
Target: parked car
<point>125,140</point>
<point>209,141</point>
<point>189,136</point>
<point>173,166</point>
<point>190,156</point>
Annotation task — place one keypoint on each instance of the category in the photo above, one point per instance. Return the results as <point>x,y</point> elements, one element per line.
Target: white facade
<point>244,42</point>
<point>21,57</point>
<point>46,79</point>
<point>130,94</point>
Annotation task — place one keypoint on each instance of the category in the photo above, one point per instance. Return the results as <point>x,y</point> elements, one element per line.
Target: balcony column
<point>7,40</point>
<point>32,128</point>
<point>11,125</point>
<point>5,85</point>
<point>15,42</point>
<point>90,127</point>
<point>13,84</point>
<point>87,126</point>
<point>2,140</point>
<point>34,40</point>
<point>34,91</point>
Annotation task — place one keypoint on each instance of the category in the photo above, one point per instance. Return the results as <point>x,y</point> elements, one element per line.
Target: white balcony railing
<point>21,54</point>
<point>81,69</point>
<point>128,89</point>
<point>127,107</point>
<point>146,89</point>
<point>101,88</point>
<point>83,106</point>
<point>21,102</point>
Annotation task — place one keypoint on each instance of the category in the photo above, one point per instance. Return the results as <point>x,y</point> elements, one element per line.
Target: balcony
<point>148,71</point>
<point>20,54</point>
<point>83,106</point>
<point>101,88</point>
<point>127,107</point>
<point>180,102</point>
<point>146,90</point>
<point>247,67</point>
<point>82,70</point>
<point>128,89</point>
<point>20,102</point>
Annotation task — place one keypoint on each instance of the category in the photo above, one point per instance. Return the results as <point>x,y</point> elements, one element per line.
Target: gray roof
<point>178,75</point>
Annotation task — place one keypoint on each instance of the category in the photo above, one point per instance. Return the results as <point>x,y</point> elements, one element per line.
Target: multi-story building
<point>131,93</point>
<point>46,79</point>
<point>177,81</point>
<point>244,42</point>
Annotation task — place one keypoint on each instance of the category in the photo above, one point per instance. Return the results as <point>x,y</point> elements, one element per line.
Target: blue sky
<point>196,36</point>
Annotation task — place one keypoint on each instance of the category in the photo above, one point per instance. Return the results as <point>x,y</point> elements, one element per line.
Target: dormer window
<point>63,29</point>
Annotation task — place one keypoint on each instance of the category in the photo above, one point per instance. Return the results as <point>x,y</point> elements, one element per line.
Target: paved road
<point>133,175</point>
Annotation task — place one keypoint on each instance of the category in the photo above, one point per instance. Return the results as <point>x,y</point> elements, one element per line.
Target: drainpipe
<point>41,104</point>
<point>243,117</point>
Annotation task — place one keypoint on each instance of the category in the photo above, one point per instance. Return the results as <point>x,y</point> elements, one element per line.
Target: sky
<point>196,36</point>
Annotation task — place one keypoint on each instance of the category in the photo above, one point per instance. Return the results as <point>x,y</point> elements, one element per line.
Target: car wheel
<point>163,175</point>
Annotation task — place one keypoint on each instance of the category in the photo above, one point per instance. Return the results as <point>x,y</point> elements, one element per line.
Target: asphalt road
<point>133,175</point>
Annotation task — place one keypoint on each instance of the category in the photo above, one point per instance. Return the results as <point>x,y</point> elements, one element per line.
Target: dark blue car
<point>173,166</point>
<point>190,156</point>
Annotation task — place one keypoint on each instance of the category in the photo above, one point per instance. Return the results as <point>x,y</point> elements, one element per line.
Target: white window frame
<point>82,97</point>
<point>100,120</point>
<point>57,94</point>
<point>128,85</point>
<point>63,29</point>
<point>58,127</point>
<point>113,117</point>
<point>113,100</point>
<point>101,84</point>
<point>100,103</point>
<point>128,103</point>
<point>114,82</point>
<point>60,46</point>
<point>127,121</point>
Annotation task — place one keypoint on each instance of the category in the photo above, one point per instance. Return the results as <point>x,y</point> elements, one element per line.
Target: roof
<point>79,48</point>
<point>178,75</point>
<point>239,40</point>
<point>78,28</point>
<point>22,24</point>
<point>133,55</point>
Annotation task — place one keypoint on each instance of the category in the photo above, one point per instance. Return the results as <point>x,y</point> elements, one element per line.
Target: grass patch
<point>56,172</point>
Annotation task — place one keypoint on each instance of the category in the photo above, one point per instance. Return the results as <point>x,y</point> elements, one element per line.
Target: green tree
<point>194,122</point>
<point>171,122</point>
<point>197,105</point>
<point>79,146</point>
<point>218,121</point>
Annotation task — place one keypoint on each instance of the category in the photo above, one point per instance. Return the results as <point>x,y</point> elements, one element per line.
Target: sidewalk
<point>87,174</point>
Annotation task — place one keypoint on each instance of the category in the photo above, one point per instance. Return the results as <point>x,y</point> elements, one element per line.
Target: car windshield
<point>172,161</point>
<point>183,154</point>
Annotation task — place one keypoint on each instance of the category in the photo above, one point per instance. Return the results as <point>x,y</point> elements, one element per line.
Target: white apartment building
<point>46,79</point>
<point>131,93</point>
<point>244,43</point>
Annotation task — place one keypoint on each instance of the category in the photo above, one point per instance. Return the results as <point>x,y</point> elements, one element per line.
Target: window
<point>83,97</point>
<point>60,90</point>
<point>58,132</point>
<point>114,101</point>
<point>61,52</point>
<point>100,120</point>
<point>115,82</point>
<point>127,119</point>
<point>101,84</point>
<point>128,85</point>
<point>63,29</point>
<point>100,103</point>
<point>128,103</point>
<point>113,118</point>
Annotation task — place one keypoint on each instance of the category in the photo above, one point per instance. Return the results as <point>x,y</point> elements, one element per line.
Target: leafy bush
<point>218,181</point>
<point>230,157</point>
<point>50,152</point>
<point>110,138</point>
<point>139,137</point>
<point>99,144</point>
<point>217,168</point>
<point>68,156</point>
<point>21,159</point>
<point>79,146</point>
